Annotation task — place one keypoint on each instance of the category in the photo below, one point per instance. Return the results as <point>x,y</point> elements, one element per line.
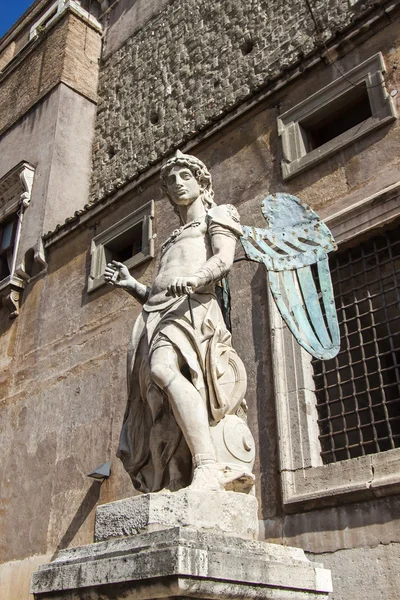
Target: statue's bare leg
<point>191,415</point>
<point>187,404</point>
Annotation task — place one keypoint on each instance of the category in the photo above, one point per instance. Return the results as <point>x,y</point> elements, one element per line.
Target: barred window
<point>358,392</point>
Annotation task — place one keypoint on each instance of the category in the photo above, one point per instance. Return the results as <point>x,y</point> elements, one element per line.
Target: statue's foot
<point>217,477</point>
<point>206,478</point>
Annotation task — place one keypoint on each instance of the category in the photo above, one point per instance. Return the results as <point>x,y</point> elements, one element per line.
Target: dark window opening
<point>154,117</point>
<point>126,245</point>
<point>247,46</point>
<point>340,115</point>
<point>358,392</point>
<point>49,17</point>
<point>111,152</point>
<point>7,241</point>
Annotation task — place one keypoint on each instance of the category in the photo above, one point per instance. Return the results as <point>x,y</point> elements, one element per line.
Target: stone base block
<point>181,562</point>
<point>227,513</point>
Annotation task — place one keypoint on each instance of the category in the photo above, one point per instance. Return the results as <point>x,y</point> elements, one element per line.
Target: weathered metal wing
<point>296,239</point>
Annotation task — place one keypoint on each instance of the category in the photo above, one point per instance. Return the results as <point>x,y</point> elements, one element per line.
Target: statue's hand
<point>116,273</point>
<point>182,285</point>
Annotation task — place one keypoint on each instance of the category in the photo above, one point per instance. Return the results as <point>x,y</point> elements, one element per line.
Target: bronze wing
<point>294,249</point>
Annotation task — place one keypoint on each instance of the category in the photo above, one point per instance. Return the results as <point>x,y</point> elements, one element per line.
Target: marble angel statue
<point>184,376</point>
<point>185,418</point>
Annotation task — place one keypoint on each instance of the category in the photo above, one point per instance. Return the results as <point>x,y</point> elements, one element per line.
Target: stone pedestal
<point>178,559</point>
<point>226,513</point>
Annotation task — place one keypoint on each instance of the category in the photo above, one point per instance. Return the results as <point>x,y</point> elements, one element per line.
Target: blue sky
<point>10,11</point>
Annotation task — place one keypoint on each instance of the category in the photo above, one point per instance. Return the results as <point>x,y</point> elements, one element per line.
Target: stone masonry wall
<point>191,64</point>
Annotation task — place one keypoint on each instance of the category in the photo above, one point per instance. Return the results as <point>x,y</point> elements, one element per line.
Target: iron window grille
<point>358,392</point>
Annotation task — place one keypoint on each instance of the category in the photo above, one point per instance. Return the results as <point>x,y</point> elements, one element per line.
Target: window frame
<point>12,219</point>
<point>306,482</point>
<point>15,196</point>
<point>296,158</point>
<point>144,215</point>
<point>51,15</point>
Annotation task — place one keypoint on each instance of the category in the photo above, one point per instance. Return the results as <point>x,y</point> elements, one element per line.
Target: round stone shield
<point>238,439</point>
<point>228,376</point>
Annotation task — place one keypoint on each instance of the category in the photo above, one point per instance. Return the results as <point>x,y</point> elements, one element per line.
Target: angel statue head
<point>187,191</point>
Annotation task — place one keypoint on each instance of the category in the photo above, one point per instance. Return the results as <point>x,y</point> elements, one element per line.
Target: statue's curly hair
<point>200,172</point>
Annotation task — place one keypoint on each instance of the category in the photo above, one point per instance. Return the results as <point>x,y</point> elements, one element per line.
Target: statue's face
<point>182,186</point>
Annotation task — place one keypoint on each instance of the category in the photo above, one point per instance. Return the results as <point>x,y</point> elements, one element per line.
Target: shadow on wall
<point>344,521</point>
<point>5,321</point>
<point>242,158</point>
<point>85,508</point>
<point>266,418</point>
<point>126,17</point>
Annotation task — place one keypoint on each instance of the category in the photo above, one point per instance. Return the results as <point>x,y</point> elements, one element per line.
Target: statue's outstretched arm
<point>117,274</point>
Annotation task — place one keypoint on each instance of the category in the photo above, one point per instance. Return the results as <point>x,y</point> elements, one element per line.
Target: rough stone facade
<point>193,63</point>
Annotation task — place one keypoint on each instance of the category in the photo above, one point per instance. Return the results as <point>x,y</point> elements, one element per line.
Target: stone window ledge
<point>362,478</point>
<point>297,156</point>
<point>16,189</point>
<point>362,217</point>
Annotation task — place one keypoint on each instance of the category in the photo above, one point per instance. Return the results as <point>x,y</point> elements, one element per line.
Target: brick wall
<point>22,86</point>
<point>68,52</point>
<point>191,64</point>
<point>81,58</point>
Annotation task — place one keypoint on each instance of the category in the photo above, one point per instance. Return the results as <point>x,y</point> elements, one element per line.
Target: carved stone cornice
<point>16,188</point>
<point>15,196</point>
<point>10,291</point>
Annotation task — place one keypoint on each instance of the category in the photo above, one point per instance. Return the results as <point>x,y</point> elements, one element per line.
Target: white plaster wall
<point>56,137</point>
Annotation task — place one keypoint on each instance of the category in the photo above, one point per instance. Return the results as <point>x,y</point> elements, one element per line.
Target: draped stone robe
<point>152,447</point>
